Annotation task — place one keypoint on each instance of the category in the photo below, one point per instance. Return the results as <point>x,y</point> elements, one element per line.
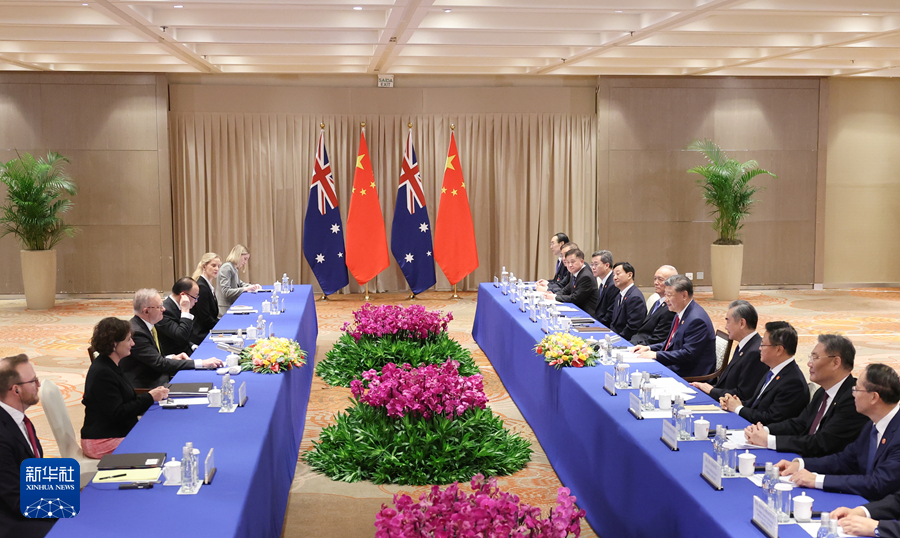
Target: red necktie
<point>672,334</point>
<point>29,427</point>
<point>822,408</point>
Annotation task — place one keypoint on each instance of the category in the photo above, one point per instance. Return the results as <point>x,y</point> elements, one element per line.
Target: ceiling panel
<point>533,37</point>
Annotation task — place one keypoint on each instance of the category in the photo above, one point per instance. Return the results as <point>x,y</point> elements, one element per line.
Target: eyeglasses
<point>36,381</point>
<point>768,345</point>
<point>160,307</point>
<point>197,298</point>
<point>814,357</point>
<point>857,389</point>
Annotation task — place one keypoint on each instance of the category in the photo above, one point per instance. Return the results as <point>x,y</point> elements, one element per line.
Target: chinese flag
<point>367,251</point>
<point>454,234</point>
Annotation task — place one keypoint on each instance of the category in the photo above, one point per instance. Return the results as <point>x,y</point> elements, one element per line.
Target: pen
<point>113,476</point>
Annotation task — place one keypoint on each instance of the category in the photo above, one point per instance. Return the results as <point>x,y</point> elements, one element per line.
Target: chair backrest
<point>92,354</point>
<point>58,416</point>
<point>723,349</point>
<point>652,300</point>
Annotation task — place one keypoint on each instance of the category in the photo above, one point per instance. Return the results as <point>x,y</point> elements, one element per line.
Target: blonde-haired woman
<point>230,285</point>
<point>206,309</point>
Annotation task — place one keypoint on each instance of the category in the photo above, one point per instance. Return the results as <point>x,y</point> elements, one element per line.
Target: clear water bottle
<point>833,529</point>
<point>504,280</point>
<point>825,526</point>
<point>647,393</point>
<point>195,467</point>
<point>677,405</point>
<point>187,459</point>
<point>767,476</point>
<point>719,442</point>
<point>260,327</point>
<point>770,492</point>
<point>275,303</point>
<point>227,395</point>
<point>285,284</point>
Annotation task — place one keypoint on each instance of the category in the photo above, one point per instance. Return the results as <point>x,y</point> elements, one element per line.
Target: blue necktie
<point>873,447</point>
<point>768,377</point>
<point>658,304</point>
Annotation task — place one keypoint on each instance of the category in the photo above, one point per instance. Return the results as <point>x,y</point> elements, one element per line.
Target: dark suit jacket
<point>174,331</point>
<point>561,279</point>
<point>205,311</point>
<point>145,367</point>
<point>606,302</point>
<point>845,472</point>
<point>886,511</point>
<point>655,328</point>
<point>784,398</point>
<point>743,373</point>
<point>693,348</point>
<point>839,427</point>
<point>581,290</point>
<point>628,314</point>
<point>14,449</point>
<point>111,408</point>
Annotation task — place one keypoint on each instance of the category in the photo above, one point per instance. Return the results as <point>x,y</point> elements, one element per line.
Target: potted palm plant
<point>726,188</point>
<point>35,202</point>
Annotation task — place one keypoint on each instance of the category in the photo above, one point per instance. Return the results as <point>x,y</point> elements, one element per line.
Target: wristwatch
<point>877,534</point>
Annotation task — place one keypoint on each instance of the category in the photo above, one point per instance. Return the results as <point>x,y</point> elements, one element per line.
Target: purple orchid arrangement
<point>406,322</point>
<point>488,512</point>
<point>425,391</point>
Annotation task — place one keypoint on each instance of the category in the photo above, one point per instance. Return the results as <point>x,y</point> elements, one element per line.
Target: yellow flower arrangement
<point>272,356</point>
<point>564,349</point>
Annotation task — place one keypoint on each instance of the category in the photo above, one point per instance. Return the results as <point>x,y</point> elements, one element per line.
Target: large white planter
<point>39,276</point>
<point>727,264</point>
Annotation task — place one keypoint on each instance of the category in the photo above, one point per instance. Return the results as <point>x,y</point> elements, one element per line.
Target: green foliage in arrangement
<point>34,206</point>
<point>348,359</point>
<point>367,444</point>
<point>726,188</point>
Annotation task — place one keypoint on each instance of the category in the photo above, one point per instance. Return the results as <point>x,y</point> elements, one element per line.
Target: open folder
<point>127,475</point>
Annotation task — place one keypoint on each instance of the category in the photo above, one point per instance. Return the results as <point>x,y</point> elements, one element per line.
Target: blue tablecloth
<point>626,479</point>
<point>256,449</point>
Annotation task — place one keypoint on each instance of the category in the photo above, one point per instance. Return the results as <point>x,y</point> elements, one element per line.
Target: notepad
<point>127,475</point>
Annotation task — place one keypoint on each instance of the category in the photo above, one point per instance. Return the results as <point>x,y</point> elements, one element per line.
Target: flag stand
<point>367,291</point>
<point>455,295</point>
<point>412,297</point>
<point>323,297</point>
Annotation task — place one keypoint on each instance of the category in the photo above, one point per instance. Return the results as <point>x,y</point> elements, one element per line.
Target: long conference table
<point>256,448</point>
<point>624,477</point>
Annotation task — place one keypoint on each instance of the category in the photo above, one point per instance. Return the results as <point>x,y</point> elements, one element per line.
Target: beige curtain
<point>244,178</point>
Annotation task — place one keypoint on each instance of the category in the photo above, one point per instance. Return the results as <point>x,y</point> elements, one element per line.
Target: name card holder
<point>242,395</point>
<point>522,304</point>
<point>609,383</point>
<point>634,406</point>
<point>496,282</point>
<point>764,518</point>
<point>669,435</point>
<point>712,472</point>
<point>533,315</point>
<point>545,325</point>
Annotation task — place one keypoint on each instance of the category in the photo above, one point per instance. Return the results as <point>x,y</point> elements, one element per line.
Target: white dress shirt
<point>19,418</point>
<point>775,371</point>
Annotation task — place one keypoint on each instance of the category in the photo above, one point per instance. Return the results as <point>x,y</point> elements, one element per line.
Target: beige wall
<point>113,128</point>
<point>651,210</point>
<point>862,217</point>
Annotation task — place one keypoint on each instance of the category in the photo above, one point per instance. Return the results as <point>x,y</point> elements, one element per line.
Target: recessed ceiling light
<point>447,10</point>
<point>179,7</point>
<point>618,11</point>
<point>357,8</point>
<point>865,14</point>
<point>83,4</point>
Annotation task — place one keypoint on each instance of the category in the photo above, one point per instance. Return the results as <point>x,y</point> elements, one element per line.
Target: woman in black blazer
<point>206,309</point>
<point>111,408</point>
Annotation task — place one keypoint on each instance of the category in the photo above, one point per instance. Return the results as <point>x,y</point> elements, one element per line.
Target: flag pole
<point>367,291</point>
<point>455,295</point>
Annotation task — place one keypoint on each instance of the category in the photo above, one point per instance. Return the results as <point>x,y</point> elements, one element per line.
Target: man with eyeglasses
<point>177,323</point>
<point>869,466</point>
<point>658,321</point>
<point>18,441</point>
<point>830,421</point>
<point>146,367</point>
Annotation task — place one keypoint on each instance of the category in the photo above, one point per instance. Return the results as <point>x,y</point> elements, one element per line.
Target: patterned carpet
<point>57,340</point>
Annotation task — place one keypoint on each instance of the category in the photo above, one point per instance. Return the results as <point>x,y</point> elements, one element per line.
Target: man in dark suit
<point>690,348</point>
<point>745,369</point>
<point>177,324</point>
<point>782,393</point>
<point>658,322</point>
<point>561,277</point>
<point>830,421</point>
<point>18,441</point>
<point>146,367</point>
<point>581,290</point>
<point>869,466</point>
<point>629,308</point>
<point>601,267</point>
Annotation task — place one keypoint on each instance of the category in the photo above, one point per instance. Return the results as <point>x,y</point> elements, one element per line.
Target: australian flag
<point>411,230</point>
<point>323,234</point>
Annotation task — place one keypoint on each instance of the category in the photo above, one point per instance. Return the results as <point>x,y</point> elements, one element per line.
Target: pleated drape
<point>244,178</point>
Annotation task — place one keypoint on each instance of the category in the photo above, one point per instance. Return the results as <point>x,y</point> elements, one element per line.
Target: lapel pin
<point>777,377</point>
<point>883,441</point>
